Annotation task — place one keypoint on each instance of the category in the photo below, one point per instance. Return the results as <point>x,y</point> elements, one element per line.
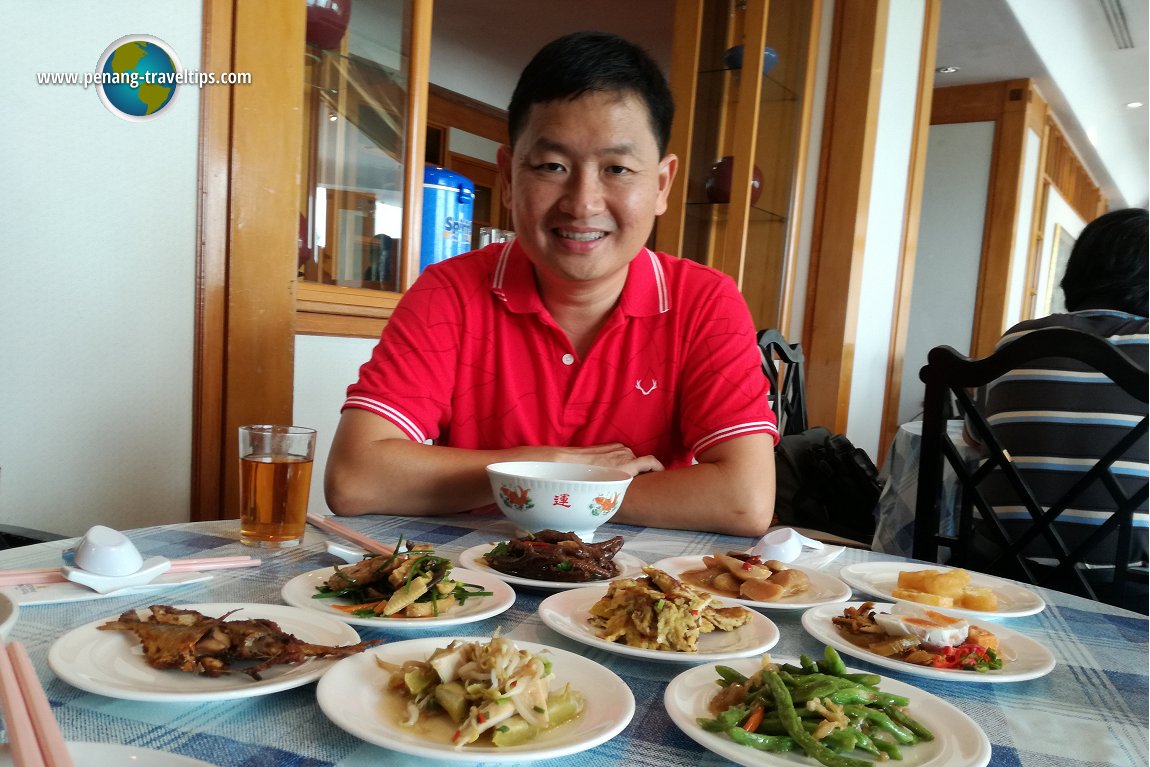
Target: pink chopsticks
<point>328,525</point>
<point>34,736</point>
<point>34,576</point>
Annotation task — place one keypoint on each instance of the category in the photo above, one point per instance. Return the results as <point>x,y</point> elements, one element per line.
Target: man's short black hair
<point>584,62</point>
<point>1107,268</point>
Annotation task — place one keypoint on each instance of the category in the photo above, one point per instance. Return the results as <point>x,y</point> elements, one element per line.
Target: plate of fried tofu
<point>947,589</point>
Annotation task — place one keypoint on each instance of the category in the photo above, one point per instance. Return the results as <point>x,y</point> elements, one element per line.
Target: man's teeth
<point>582,236</point>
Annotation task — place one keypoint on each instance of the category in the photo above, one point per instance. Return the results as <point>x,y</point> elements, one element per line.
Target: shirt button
<point>568,359</point>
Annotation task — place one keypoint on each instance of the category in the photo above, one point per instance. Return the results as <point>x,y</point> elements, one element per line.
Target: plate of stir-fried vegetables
<point>414,588</point>
<point>477,699</point>
<point>773,712</point>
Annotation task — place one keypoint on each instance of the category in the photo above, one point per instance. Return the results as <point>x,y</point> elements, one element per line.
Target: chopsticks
<point>38,575</point>
<point>328,525</point>
<point>34,736</point>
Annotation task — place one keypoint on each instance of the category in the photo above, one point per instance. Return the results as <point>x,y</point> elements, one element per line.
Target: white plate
<point>824,588</point>
<point>352,696</point>
<point>958,741</point>
<point>115,755</point>
<point>299,591</point>
<point>112,662</point>
<point>1023,658</point>
<point>567,613</point>
<point>629,567</point>
<point>881,578</point>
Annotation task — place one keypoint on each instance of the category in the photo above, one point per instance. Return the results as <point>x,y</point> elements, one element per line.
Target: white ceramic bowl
<point>105,551</point>
<point>568,497</point>
<point>9,614</point>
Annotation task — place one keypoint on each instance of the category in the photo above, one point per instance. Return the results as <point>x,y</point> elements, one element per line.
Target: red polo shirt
<point>472,359</point>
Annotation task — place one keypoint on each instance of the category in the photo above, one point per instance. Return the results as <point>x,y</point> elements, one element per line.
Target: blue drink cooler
<point>448,205</point>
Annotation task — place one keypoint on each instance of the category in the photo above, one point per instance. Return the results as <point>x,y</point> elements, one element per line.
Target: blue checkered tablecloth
<point>1091,710</point>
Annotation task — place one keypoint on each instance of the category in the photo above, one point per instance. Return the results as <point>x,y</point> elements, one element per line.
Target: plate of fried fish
<point>203,652</point>
<point>658,617</point>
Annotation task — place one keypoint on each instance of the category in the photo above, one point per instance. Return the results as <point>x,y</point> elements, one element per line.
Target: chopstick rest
<point>349,554</point>
<point>152,568</point>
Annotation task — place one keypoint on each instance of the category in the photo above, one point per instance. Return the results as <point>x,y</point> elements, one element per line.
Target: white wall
<point>324,368</point>
<point>949,249</point>
<point>884,232</point>
<point>97,275</point>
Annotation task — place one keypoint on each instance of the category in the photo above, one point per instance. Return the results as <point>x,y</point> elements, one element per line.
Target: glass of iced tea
<point>275,480</point>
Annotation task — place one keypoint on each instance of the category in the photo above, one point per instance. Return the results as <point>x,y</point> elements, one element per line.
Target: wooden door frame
<point>246,258</point>
<point>842,204</point>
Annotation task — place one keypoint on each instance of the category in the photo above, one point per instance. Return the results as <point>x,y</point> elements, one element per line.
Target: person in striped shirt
<point>1056,418</point>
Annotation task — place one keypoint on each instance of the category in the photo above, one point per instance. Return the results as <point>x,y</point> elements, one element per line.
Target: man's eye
<point>550,167</point>
<point>618,170</point>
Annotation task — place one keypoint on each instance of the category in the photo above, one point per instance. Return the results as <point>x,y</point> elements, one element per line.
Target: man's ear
<point>667,167</point>
<point>503,159</point>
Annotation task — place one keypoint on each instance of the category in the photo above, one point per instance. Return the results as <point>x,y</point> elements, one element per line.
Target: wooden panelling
<point>263,205</point>
<point>967,103</point>
<point>1020,111</point>
<point>250,168</point>
<point>684,85</point>
<point>802,151</point>
<point>446,107</point>
<point>211,267</point>
<point>911,220</point>
<point>731,256</point>
<point>1065,171</point>
<point>419,67</point>
<point>842,207</point>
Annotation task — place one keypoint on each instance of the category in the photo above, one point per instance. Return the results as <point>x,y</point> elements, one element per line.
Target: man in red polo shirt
<point>573,342</point>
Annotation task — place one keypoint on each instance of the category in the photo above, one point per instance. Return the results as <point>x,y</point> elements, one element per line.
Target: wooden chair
<point>949,376</point>
<point>789,400</point>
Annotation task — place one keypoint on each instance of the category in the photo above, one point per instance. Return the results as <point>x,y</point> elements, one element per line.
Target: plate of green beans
<point>786,711</point>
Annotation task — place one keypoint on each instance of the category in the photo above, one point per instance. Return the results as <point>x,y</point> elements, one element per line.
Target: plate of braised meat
<point>553,560</point>
<point>202,652</point>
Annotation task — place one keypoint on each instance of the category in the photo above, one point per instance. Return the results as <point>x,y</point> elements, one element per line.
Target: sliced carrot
<point>356,608</point>
<point>754,719</point>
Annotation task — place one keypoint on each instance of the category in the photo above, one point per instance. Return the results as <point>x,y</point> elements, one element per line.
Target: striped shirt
<point>1056,417</point>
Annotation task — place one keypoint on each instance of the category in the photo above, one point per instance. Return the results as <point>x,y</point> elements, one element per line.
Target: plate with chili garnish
<point>628,567</point>
<point>852,629</point>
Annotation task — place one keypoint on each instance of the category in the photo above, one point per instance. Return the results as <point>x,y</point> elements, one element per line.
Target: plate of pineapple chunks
<point>950,590</point>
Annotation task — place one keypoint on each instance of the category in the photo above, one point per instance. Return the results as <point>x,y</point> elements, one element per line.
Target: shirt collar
<point>645,293</point>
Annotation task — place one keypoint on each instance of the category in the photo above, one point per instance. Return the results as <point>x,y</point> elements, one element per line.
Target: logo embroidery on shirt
<point>648,390</point>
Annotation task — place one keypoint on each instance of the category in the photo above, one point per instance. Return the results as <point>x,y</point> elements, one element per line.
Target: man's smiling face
<point>585,183</point>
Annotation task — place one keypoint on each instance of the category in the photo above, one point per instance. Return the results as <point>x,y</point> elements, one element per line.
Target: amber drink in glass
<point>275,481</point>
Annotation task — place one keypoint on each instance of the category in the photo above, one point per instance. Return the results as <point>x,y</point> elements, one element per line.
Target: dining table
<point>1090,709</point>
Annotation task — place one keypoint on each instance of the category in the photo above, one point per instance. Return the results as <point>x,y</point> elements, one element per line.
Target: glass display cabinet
<point>741,136</point>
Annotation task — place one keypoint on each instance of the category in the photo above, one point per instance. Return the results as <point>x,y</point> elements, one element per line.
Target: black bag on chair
<point>824,482</point>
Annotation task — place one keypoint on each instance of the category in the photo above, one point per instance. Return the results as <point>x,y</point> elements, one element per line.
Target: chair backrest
<point>949,377</point>
<point>789,398</point>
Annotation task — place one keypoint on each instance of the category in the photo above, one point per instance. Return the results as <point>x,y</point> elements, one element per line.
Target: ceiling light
<point>947,70</point>
<point>1134,105</point>
<point>332,116</point>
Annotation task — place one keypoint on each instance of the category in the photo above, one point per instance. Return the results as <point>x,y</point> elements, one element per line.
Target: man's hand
<point>615,455</point>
